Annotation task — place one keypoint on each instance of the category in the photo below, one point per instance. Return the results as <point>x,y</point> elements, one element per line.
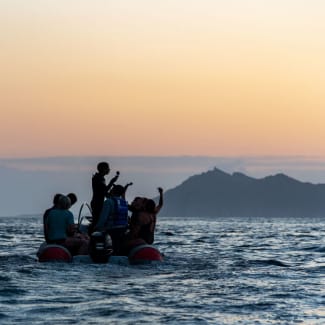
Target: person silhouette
<point>114,217</point>
<point>56,198</point>
<point>61,229</point>
<point>100,191</point>
<point>143,221</point>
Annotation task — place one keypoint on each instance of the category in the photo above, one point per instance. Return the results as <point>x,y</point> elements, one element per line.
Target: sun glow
<point>162,78</point>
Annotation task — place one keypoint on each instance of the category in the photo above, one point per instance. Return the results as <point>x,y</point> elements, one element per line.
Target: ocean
<point>216,271</point>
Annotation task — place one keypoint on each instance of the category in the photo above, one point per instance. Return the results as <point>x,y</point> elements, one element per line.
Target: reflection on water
<point>215,272</point>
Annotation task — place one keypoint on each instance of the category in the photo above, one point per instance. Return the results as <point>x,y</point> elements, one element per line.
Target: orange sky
<point>165,77</point>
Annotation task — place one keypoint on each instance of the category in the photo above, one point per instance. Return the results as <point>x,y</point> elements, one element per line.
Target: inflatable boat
<point>53,253</point>
<point>141,254</point>
<point>100,247</point>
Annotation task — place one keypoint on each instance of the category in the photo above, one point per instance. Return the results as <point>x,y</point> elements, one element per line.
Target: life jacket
<point>120,217</point>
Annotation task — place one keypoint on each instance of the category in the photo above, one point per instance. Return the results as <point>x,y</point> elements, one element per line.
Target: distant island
<point>219,194</point>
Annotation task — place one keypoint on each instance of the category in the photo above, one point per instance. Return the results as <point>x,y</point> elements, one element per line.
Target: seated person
<point>46,213</point>
<point>114,217</point>
<point>60,228</point>
<point>143,221</point>
<point>73,200</point>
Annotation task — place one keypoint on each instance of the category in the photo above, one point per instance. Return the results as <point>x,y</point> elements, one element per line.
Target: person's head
<point>150,206</point>
<point>138,204</point>
<point>73,198</point>
<point>103,167</point>
<point>117,190</point>
<point>56,198</point>
<point>64,203</point>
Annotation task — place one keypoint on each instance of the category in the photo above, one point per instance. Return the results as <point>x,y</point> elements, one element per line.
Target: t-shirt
<point>58,222</point>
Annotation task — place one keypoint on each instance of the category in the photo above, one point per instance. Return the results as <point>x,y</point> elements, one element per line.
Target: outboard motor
<point>100,247</point>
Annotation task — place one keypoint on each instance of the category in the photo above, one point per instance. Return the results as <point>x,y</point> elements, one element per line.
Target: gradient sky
<point>163,77</point>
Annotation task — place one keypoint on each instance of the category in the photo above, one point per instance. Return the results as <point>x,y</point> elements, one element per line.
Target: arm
<point>45,226</point>
<point>161,200</point>
<point>125,188</point>
<point>71,228</point>
<point>112,181</point>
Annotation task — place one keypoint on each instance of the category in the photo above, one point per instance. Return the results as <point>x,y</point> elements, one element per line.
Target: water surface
<point>238,271</point>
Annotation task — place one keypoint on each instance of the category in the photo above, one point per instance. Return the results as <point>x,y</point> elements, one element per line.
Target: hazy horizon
<point>28,184</point>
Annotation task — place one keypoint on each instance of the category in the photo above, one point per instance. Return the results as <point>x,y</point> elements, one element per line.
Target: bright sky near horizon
<point>164,77</point>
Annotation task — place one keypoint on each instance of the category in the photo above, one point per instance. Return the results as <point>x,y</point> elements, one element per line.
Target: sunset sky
<point>163,77</point>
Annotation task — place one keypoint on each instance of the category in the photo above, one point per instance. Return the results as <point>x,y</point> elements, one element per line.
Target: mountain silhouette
<point>219,194</point>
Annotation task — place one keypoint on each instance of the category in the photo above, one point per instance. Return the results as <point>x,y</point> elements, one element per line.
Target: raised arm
<point>161,199</point>
<point>112,181</point>
<point>127,185</point>
<point>125,189</point>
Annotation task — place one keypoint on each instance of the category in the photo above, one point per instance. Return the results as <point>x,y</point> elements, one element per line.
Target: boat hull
<point>141,254</point>
<point>53,253</point>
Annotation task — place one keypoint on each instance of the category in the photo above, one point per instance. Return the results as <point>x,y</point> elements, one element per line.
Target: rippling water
<point>239,271</point>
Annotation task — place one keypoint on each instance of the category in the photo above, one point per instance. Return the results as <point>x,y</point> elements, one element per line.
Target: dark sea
<point>216,271</point>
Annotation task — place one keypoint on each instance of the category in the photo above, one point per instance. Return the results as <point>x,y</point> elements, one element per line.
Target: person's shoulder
<point>56,211</point>
<point>51,211</point>
<point>47,211</point>
<point>68,214</point>
<point>98,178</point>
<point>95,176</point>
<point>109,201</point>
